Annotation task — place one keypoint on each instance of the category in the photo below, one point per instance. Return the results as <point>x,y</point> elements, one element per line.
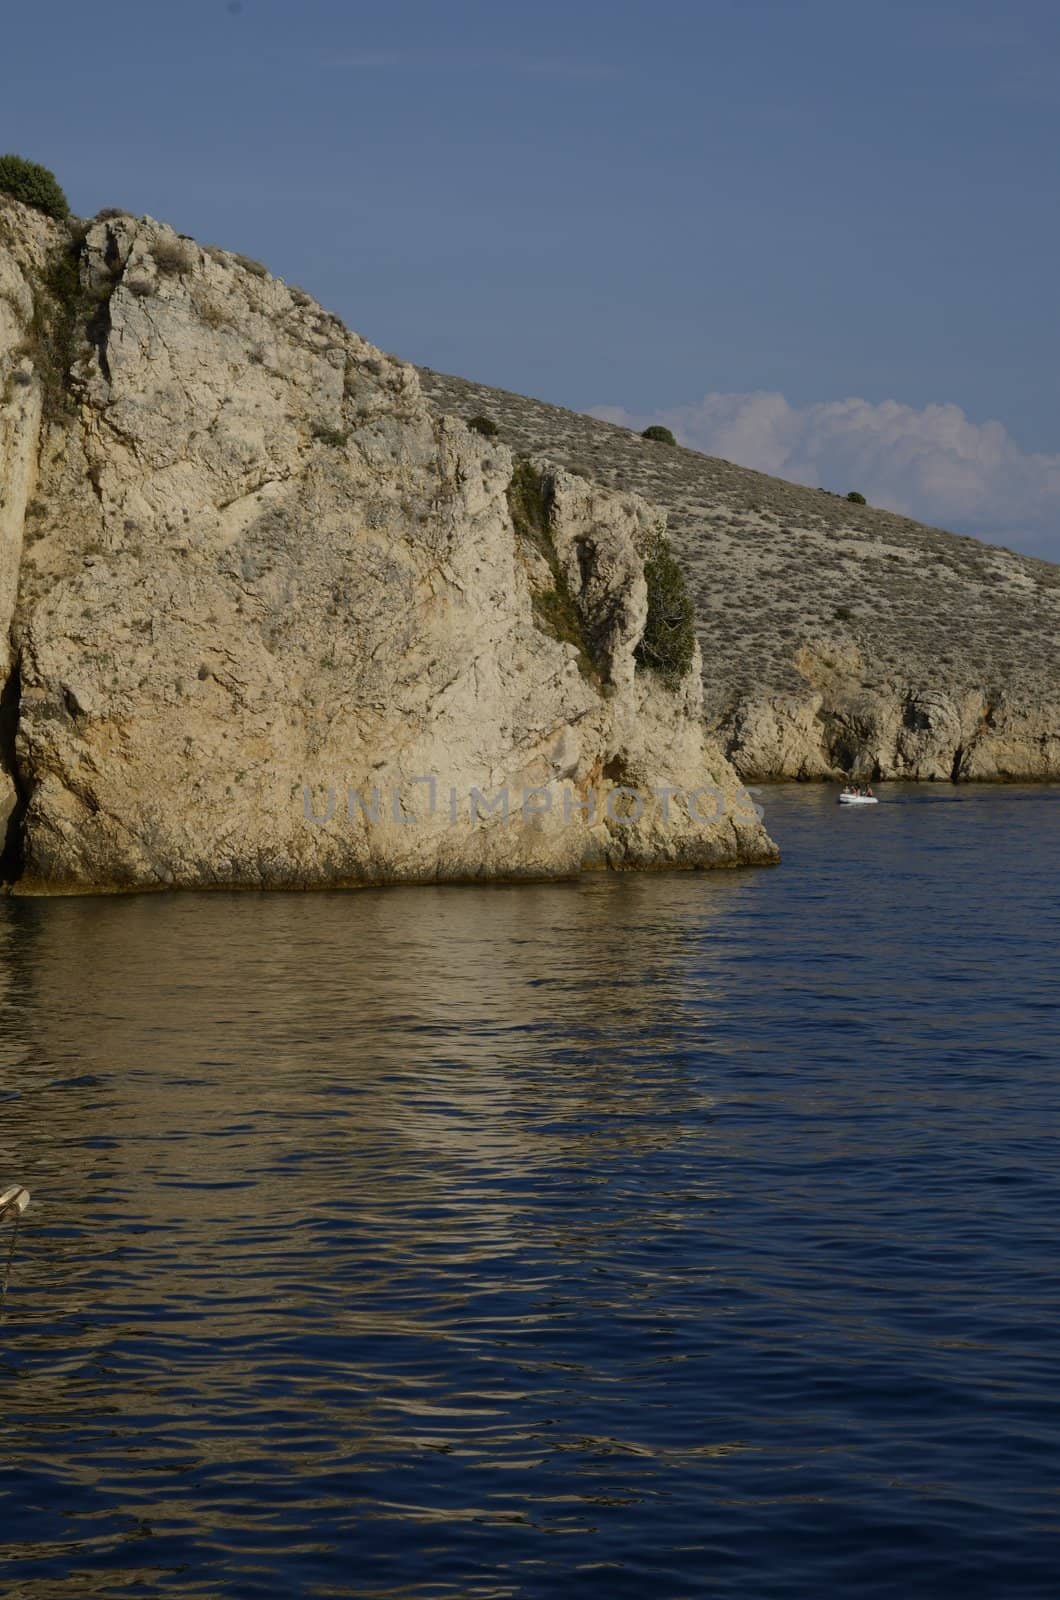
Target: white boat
<point>858,800</point>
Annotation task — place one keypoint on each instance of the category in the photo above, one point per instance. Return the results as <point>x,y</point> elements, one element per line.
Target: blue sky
<point>722,213</point>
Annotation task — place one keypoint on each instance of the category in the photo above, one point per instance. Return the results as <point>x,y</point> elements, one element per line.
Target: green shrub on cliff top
<point>34,186</point>
<point>669,639</point>
<point>659,434</point>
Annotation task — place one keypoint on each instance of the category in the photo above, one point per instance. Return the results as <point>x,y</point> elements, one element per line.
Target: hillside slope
<point>836,638</point>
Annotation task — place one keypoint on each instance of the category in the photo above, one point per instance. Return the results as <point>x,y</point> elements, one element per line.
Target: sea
<point>654,1235</point>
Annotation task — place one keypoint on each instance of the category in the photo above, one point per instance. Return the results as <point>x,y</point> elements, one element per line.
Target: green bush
<point>34,186</point>
<point>555,610</point>
<point>484,425</point>
<point>661,435</point>
<point>856,499</point>
<point>335,437</point>
<point>669,639</point>
<point>53,333</point>
<point>530,507</point>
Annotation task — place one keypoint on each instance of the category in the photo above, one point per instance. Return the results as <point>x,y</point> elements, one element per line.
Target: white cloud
<point>935,464</point>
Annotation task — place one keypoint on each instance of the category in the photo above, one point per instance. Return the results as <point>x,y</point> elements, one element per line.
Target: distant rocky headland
<point>837,640</point>
<point>269,619</point>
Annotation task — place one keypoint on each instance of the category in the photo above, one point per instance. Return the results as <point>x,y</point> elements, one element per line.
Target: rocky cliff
<point>836,639</point>
<point>268,619</point>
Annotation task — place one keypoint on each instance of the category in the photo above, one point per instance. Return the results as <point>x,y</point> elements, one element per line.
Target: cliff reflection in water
<point>664,1235</point>
<point>222,1029</point>
<point>297,1156</point>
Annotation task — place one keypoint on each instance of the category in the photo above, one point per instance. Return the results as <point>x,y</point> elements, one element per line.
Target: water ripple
<point>666,1235</point>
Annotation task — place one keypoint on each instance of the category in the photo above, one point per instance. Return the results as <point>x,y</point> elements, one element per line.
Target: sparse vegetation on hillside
<point>554,607</point>
<point>173,256</point>
<point>257,269</point>
<point>53,330</point>
<point>769,563</point>
<point>68,315</point>
<point>659,434</point>
<point>529,506</point>
<point>34,185</point>
<point>669,640</point>
<point>335,437</point>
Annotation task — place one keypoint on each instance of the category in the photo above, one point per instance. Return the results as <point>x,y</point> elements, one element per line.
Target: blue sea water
<point>677,1235</point>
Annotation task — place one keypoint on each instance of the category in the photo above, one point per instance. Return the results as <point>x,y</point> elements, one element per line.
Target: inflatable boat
<point>13,1203</point>
<point>858,800</point>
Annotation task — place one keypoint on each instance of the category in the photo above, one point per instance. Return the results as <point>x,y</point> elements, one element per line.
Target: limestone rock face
<point>24,245</point>
<point>275,624</point>
<point>895,730</point>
